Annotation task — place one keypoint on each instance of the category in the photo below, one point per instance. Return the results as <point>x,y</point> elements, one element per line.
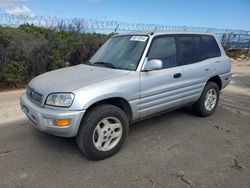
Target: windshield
<point>121,52</point>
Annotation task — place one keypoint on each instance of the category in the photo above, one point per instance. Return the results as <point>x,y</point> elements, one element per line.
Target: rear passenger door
<point>196,63</point>
<point>161,89</point>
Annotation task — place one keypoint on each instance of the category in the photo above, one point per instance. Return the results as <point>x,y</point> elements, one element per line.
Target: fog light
<point>49,122</point>
<point>62,122</point>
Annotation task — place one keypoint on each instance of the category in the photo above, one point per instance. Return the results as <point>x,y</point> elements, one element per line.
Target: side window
<point>199,48</point>
<point>187,50</point>
<point>210,46</point>
<point>164,48</point>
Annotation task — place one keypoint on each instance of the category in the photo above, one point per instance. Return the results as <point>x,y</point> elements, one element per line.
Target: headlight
<point>60,99</point>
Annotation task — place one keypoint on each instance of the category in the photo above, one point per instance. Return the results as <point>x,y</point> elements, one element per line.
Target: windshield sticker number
<point>139,38</point>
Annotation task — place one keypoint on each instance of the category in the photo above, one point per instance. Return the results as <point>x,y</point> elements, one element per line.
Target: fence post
<point>116,28</point>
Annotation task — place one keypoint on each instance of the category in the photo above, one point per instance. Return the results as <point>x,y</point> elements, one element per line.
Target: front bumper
<point>42,116</point>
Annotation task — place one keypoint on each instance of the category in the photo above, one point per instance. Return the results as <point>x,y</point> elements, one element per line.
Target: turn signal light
<point>62,122</point>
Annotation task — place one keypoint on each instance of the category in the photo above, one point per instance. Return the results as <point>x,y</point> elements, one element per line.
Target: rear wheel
<point>102,132</point>
<point>207,103</point>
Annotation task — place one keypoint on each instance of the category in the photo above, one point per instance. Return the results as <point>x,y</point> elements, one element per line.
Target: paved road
<point>177,149</point>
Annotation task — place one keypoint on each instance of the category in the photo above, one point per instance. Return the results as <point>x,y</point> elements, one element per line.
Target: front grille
<point>35,96</point>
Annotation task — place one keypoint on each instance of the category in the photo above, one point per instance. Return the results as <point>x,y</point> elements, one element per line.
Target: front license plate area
<point>29,114</point>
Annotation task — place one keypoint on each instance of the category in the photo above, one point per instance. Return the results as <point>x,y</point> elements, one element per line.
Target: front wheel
<point>207,103</point>
<point>102,132</point>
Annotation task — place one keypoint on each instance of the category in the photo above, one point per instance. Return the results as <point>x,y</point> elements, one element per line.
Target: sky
<point>224,14</point>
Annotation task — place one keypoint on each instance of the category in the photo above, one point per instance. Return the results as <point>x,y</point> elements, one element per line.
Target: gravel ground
<point>176,149</point>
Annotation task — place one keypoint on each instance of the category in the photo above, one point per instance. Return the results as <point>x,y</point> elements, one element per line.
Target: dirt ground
<point>176,149</point>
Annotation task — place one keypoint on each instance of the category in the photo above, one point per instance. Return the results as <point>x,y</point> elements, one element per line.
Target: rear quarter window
<point>210,47</point>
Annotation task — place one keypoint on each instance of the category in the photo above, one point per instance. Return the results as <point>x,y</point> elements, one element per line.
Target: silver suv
<point>131,77</point>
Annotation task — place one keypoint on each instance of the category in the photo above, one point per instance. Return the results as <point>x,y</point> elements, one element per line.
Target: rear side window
<point>210,46</point>
<point>199,48</point>
<point>164,48</point>
<point>187,50</point>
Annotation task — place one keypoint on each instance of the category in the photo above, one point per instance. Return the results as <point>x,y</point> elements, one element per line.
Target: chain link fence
<point>236,39</point>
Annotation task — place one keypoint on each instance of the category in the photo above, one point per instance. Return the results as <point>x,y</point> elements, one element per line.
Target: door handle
<point>177,75</point>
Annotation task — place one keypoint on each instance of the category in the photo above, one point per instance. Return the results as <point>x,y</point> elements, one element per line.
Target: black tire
<point>199,106</point>
<point>90,121</point>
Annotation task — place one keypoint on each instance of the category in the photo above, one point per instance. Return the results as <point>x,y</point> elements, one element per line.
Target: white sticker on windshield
<point>139,38</point>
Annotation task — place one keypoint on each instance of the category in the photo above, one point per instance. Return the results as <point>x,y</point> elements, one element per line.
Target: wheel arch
<point>119,102</point>
<point>216,79</point>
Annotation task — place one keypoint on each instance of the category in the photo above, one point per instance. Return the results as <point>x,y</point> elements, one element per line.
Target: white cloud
<point>15,7</point>
<point>20,10</point>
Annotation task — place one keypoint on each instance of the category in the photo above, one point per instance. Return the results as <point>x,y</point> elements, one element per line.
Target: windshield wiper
<point>110,65</point>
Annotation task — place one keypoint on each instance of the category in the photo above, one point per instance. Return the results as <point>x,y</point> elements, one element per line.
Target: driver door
<point>161,90</point>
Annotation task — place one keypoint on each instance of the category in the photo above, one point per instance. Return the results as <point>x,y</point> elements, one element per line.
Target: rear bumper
<point>43,118</point>
<point>225,79</point>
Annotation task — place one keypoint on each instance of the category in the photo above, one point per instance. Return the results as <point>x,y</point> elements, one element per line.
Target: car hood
<point>72,78</point>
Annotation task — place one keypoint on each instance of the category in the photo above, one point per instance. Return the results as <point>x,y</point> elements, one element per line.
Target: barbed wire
<point>227,36</point>
<point>89,24</point>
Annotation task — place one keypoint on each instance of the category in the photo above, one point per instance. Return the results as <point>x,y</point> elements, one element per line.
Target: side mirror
<point>153,64</point>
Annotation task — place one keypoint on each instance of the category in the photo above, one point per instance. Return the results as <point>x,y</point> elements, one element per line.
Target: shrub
<point>15,73</point>
<point>28,51</point>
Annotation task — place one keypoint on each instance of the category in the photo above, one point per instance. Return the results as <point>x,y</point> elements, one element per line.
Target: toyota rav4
<point>131,77</point>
